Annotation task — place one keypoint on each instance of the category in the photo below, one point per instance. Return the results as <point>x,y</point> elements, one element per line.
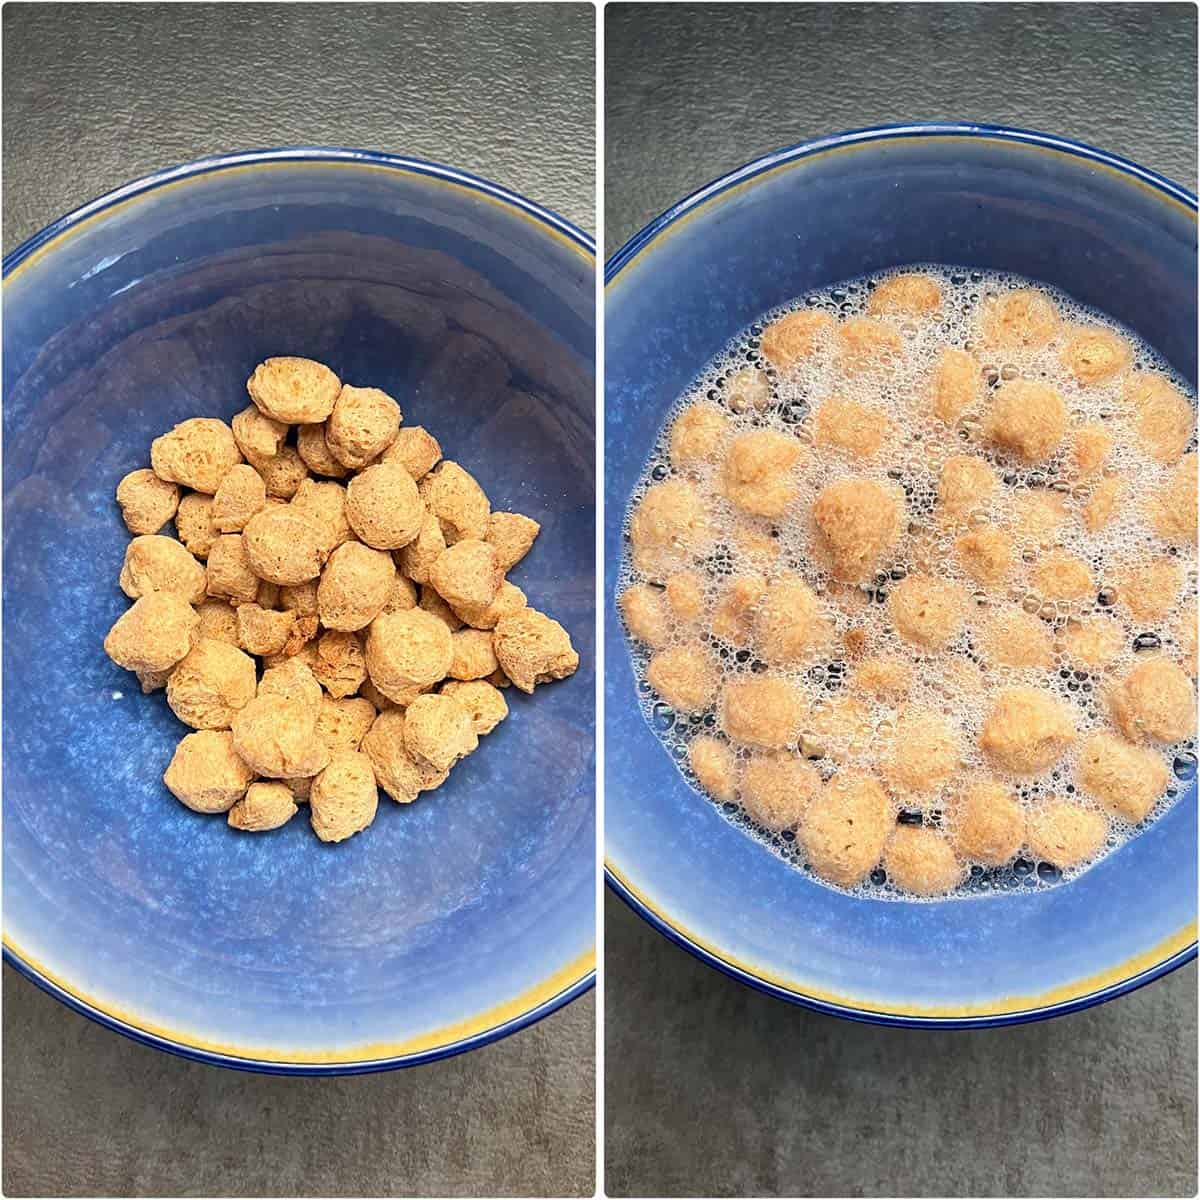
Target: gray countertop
<point>95,95</point>
<point>712,1088</point>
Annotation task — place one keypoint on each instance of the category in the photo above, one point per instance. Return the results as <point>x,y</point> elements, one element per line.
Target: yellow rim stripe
<point>56,243</point>
<point>566,977</point>
<point>1007,1006</point>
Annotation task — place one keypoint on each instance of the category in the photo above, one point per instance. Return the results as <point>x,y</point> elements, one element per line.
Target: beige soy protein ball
<point>342,724</point>
<point>343,798</point>
<point>922,753</point>
<point>1102,503</point>
<point>697,435</point>
<point>955,386</point>
<point>795,337</point>
<point>467,576</point>
<point>967,483</point>
<point>212,683</point>
<point>206,773</point>
<point>1090,448</point>
<point>1061,576</point>
<point>858,430</point>
<point>193,523</point>
<point>759,472</point>
<point>218,619</point>
<point>670,526</point>
<point>1066,834</point>
<point>407,652</point>
<point>482,700</point>
<point>733,617</point>
<point>986,554</point>
<point>907,295</point>
<point>474,655</point>
<point>403,595</point>
<point>1094,642</point>
<point>511,535</point>
<point>1163,418</point>
<point>363,424</point>
<point>685,596</point>
<point>423,551</point>
<point>790,624</point>
<point>921,861</point>
<point>714,766</point>
<point>1021,319</point>
<point>927,611</point>
<point>1125,778</point>
<point>312,446</point>
<point>355,585</point>
<point>293,680</point>
<point>1172,510</point>
<point>1155,701</point>
<point>867,346</point>
<point>1027,418</point>
<point>415,449</point>
<point>647,615</point>
<point>262,631</point>
<point>775,789</point>
<point>1093,355</point>
<point>295,391</point>
<point>229,574</point>
<point>282,474</point>
<point>438,731</point>
<point>265,806</point>
<point>858,522</point>
<point>989,824</point>
<point>284,547</point>
<point>383,506</point>
<point>340,663</point>
<point>685,676</point>
<point>747,390</point>
<point>1148,590</point>
<point>433,604</point>
<point>1027,730</point>
<point>147,502</point>
<point>532,648</point>
<point>396,771</point>
<point>198,454</point>
<point>258,437</point>
<point>323,503</point>
<point>154,634</point>
<point>1011,637</point>
<point>762,711</point>
<point>458,502</point>
<point>845,828</point>
<point>276,736</point>
<point>884,676</point>
<point>154,563</point>
<point>242,493</point>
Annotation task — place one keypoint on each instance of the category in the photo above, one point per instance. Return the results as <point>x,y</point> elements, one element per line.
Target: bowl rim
<point>1134,973</point>
<point>541,998</point>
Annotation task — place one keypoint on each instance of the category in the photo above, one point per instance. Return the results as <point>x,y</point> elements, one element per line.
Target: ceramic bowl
<point>1110,233</point>
<point>449,922</point>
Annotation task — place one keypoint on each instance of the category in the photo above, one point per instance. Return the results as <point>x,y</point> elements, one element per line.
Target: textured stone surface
<point>692,93</point>
<point>713,1088</point>
<point>95,96</point>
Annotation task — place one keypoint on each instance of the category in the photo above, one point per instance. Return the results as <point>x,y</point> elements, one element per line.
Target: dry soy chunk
<point>343,798</point>
<point>229,574</point>
<point>300,598</point>
<point>282,474</point>
<point>154,634</point>
<point>206,773</point>
<point>467,575</point>
<point>312,445</point>
<point>265,806</point>
<point>343,723</point>
<point>276,737</point>
<point>433,604</point>
<point>258,436</point>
<point>415,449</point>
<point>242,494</point>
<point>532,648</point>
<point>474,654</point>
<point>340,663</point>
<point>262,631</point>
<point>363,424</point>
<point>212,683</point>
<point>407,652</point>
<point>384,507</point>
<point>147,502</point>
<point>198,453</point>
<point>458,502</point>
<point>396,771</point>
<point>438,731</point>
<point>356,584</point>
<point>512,536</point>
<point>416,559</point>
<point>193,523</point>
<point>509,599</point>
<point>323,503</point>
<point>403,595</point>
<point>293,680</point>
<point>284,547</point>
<point>154,563</point>
<point>294,391</point>
<point>481,699</point>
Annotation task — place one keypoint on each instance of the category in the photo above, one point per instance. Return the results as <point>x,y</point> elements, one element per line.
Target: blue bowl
<point>450,922</point>
<point>1112,234</point>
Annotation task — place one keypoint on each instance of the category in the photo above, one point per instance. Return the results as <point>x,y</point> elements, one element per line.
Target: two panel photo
<point>599,599</point>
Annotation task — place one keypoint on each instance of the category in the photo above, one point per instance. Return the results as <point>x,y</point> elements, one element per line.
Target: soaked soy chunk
<point>759,472</point>
<point>762,711</point>
<point>1091,447</point>
<point>790,624</point>
<point>989,823</point>
<point>907,295</point>
<point>1065,833</point>
<point>1094,355</point>
<point>685,597</point>
<point>685,676</point>
<point>1102,504</point>
<point>1021,319</point>
<point>922,861</point>
<point>1183,631</point>
<point>845,828</point>
<point>1012,637</point>
<point>670,526</point>
<point>1126,779</point>
<point>791,339</point>
<point>923,753</point>
<point>775,789</point>
<point>1037,515</point>
<point>1172,511</point>
<point>197,453</point>
<point>1155,701</point>
<point>867,346</point>
<point>927,611</point>
<point>883,676</point>
<point>858,430</point>
<point>294,391</point>
<point>858,523</point>
<point>986,554</point>
<point>714,766</point>
<point>1163,418</point>
<point>1147,590</point>
<point>697,435</point>
<point>147,502</point>
<point>955,386</point>
<point>966,485</point>
<point>646,616</point>
<point>733,616</point>
<point>1028,419</point>
<point>1027,730</point>
<point>1060,576</point>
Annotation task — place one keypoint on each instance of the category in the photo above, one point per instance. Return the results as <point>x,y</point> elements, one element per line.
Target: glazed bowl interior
<point>448,921</point>
<point>1110,235</point>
